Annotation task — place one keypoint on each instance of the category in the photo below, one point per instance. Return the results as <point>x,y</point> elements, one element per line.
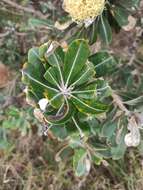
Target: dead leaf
<point>131,24</point>
<point>133,138</point>
<point>140,52</point>
<point>4,75</point>
<point>64,45</point>
<point>63,26</point>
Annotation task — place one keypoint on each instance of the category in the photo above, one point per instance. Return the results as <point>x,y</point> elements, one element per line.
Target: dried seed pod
<point>132,139</point>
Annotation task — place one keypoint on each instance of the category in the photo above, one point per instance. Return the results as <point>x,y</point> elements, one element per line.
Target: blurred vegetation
<point>27,158</point>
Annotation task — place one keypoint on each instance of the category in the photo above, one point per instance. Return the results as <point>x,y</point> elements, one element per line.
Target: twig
<point>2,35</point>
<point>25,9</point>
<point>118,101</point>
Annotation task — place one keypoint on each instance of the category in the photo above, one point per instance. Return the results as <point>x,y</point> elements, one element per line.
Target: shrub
<point>69,90</point>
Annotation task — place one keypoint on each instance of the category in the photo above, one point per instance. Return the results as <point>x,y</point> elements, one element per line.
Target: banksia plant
<point>69,91</point>
<point>77,106</point>
<point>98,17</point>
<point>62,83</point>
<point>70,97</point>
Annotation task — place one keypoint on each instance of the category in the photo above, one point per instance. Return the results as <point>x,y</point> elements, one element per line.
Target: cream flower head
<point>83,11</point>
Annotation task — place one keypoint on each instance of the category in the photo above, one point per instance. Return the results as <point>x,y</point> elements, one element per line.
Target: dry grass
<point>31,165</point>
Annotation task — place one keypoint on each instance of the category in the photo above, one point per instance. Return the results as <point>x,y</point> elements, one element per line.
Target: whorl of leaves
<point>77,100</point>
<point>66,79</point>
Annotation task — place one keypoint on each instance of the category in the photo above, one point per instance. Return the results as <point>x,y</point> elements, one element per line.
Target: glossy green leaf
<point>91,107</point>
<point>121,15</point>
<point>88,92</point>
<point>86,74</point>
<point>92,33</point>
<point>75,59</point>
<point>104,63</point>
<point>53,77</point>
<point>104,30</point>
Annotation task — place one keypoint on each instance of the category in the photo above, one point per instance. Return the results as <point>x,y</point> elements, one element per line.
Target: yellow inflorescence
<point>81,10</point>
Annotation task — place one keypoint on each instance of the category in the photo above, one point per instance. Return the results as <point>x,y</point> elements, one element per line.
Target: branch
<point>2,35</point>
<point>118,101</point>
<point>25,9</point>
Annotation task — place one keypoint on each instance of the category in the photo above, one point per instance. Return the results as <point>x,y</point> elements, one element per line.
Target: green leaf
<point>102,150</point>
<point>13,111</point>
<point>42,50</point>
<point>53,77</point>
<point>75,59</point>
<point>97,159</point>
<point>87,92</point>
<point>75,140</point>
<point>135,101</point>
<point>4,145</point>
<point>130,3</point>
<point>33,72</point>
<point>12,123</point>
<point>42,54</point>
<point>56,59</point>
<point>59,131</point>
<point>119,150</point>
<point>91,107</point>
<point>38,83</point>
<point>104,63</point>
<point>108,129</point>
<point>94,125</point>
<point>92,33</point>
<point>86,74</point>
<point>81,163</point>
<point>34,22</point>
<point>121,15</point>
<point>33,56</point>
<point>42,90</point>
<point>104,30</point>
